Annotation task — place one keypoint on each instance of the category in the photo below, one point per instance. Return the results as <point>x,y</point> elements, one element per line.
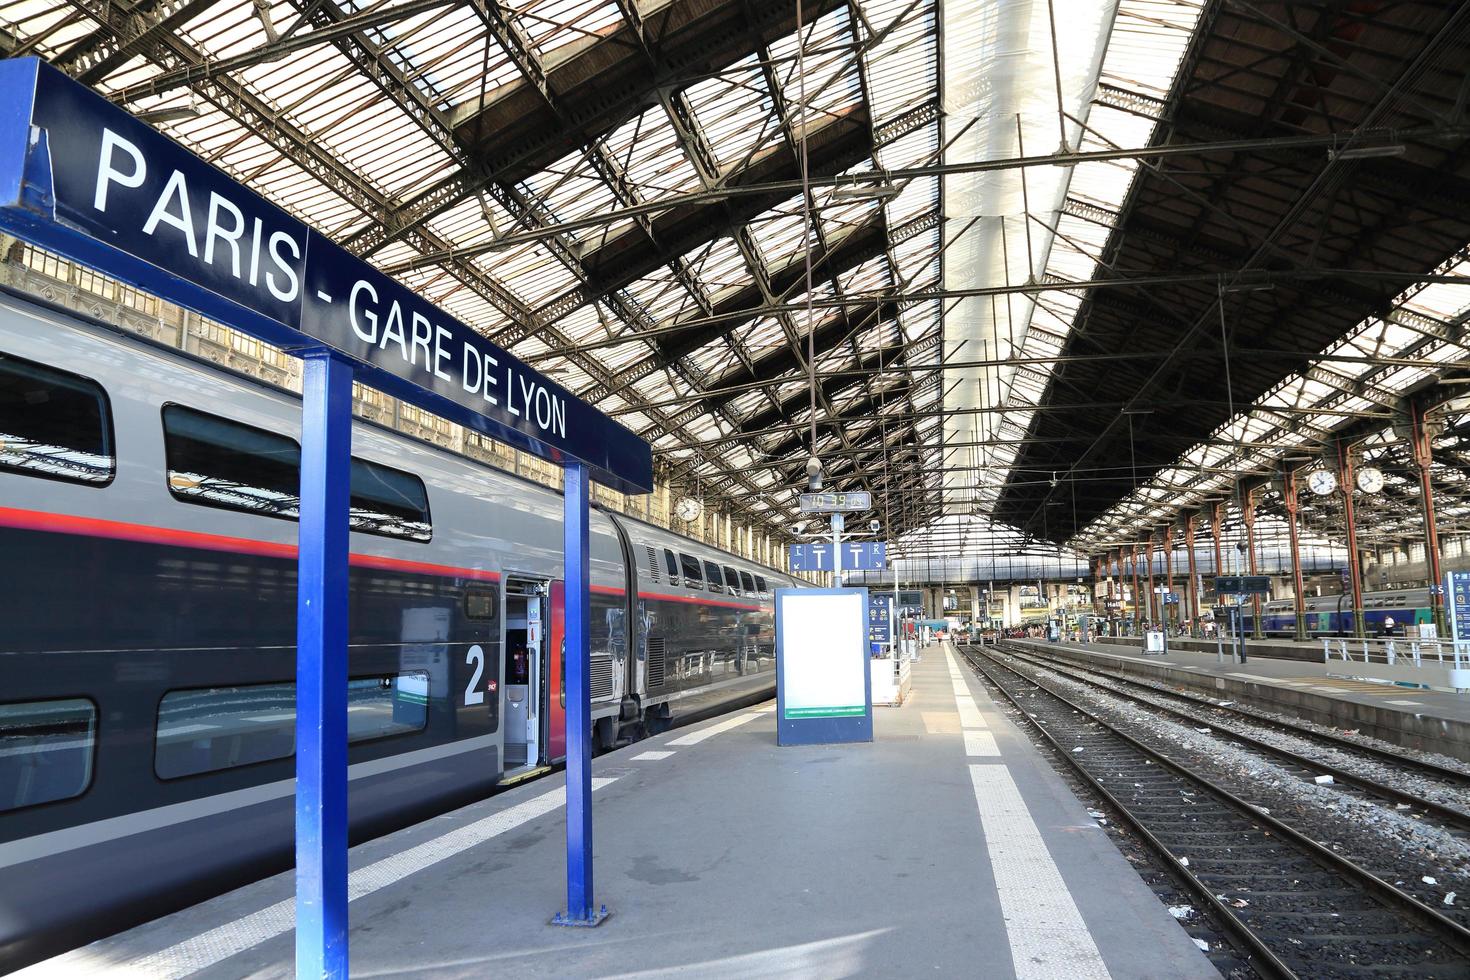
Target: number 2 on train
<point>472,693</point>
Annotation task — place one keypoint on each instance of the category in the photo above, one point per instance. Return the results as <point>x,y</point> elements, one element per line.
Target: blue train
<point>1390,613</point>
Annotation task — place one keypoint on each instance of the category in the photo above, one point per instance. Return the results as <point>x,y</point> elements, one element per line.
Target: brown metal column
<point>1289,496</point>
<point>1168,572</point>
<point>1150,568</point>
<point>1424,458</point>
<point>1248,511</point>
<point>1345,478</point>
<point>1193,593</point>
<point>1137,596</point>
<point>1216,523</point>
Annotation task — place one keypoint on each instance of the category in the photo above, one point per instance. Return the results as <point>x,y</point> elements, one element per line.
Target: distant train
<point>148,503</point>
<point>1332,615</point>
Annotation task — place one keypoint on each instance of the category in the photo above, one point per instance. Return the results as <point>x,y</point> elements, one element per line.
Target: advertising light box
<point>822,677</point>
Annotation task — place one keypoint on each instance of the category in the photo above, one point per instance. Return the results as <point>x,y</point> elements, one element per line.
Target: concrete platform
<point>1434,721</point>
<point>946,847</point>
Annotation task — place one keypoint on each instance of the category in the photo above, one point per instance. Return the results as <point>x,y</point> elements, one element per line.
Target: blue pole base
<point>592,921</point>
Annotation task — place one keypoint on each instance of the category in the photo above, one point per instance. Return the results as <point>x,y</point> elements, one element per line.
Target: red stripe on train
<point>95,527</point>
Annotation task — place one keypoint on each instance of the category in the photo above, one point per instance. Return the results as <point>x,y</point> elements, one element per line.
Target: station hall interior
<point>430,428</point>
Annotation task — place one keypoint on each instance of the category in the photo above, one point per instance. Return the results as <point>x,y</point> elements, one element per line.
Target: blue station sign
<point>857,556</point>
<point>85,179</point>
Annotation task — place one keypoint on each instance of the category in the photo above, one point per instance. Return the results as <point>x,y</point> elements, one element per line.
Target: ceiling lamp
<point>864,192</point>
<point>1367,152</point>
<point>173,113</point>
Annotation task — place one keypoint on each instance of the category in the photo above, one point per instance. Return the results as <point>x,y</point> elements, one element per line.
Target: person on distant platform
<point>1388,626</point>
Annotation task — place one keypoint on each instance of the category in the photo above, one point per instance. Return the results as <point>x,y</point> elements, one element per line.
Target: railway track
<point>1334,755</point>
<point>1294,907</point>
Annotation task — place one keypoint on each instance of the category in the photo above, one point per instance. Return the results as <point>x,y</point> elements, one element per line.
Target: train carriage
<point>147,531</point>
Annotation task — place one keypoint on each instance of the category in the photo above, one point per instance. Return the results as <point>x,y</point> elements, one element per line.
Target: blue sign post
<point>81,177</point>
<point>321,667</point>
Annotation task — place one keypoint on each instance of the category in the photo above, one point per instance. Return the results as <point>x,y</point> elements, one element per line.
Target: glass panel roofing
<point>625,251</point>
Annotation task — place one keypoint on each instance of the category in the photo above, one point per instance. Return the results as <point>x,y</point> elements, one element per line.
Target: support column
<point>1217,525</point>
<point>580,910</point>
<point>1193,593</point>
<point>1149,555</point>
<point>1137,597</point>
<point>1168,571</point>
<point>1424,459</point>
<point>321,667</point>
<point>1345,477</point>
<point>1248,513</point>
<point>1289,496</point>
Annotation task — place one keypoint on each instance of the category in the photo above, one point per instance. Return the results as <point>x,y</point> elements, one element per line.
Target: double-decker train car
<point>1332,615</point>
<point>147,712</point>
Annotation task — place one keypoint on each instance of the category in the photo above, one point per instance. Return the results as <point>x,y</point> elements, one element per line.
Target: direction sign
<point>836,503</point>
<point>1457,588</point>
<point>880,618</point>
<point>96,185</point>
<point>1242,585</point>
<point>857,556</point>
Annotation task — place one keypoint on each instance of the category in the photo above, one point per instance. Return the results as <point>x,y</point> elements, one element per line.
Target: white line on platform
<point>969,714</point>
<point>694,738</point>
<point>1047,935</point>
<point>1406,703</point>
<point>651,756</point>
<point>218,944</point>
<point>980,744</point>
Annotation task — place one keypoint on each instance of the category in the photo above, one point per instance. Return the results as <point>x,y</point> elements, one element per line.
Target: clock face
<point>688,509</point>
<point>1321,482</point>
<point>1370,479</point>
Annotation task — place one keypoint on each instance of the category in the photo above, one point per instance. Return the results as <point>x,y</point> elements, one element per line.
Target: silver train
<point>148,540</point>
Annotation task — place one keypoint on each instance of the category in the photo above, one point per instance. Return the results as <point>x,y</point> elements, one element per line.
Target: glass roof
<point>617,249</point>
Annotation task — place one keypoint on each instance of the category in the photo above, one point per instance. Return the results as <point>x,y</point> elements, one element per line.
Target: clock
<point>1370,479</point>
<point>1321,482</point>
<point>687,509</point>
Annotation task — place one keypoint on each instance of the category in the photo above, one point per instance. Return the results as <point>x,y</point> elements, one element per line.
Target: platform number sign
<point>1457,589</point>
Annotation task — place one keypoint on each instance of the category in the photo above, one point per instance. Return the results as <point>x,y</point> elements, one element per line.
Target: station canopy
<point>751,230</point>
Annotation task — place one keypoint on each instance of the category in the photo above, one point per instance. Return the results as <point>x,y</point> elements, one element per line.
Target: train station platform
<point>1328,693</point>
<point>947,846</point>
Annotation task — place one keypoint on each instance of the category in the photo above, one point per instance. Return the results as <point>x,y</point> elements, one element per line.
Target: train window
<point>693,577</point>
<point>222,463</point>
<point>672,565</point>
<point>53,424</point>
<point>389,502</point>
<point>213,728</point>
<point>732,580</point>
<point>480,604</point>
<point>747,583</point>
<point>46,750</point>
<point>760,585</point>
<point>712,577</point>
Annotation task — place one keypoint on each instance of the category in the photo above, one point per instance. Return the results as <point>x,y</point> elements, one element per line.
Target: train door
<point>527,615</point>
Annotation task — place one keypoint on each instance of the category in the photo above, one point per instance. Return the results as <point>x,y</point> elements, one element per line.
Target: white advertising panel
<point>824,638</point>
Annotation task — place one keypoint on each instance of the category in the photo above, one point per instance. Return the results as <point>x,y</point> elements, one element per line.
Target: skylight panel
<point>735,112</point>
<point>647,149</point>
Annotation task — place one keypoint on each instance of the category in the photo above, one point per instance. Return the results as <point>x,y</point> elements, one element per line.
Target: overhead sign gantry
<point>84,179</point>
